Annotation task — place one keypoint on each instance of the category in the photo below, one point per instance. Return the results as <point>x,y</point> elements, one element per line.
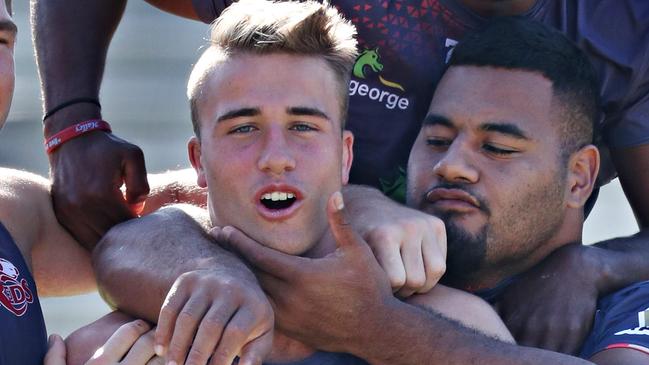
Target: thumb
<point>342,231</point>
<point>56,352</point>
<point>135,178</point>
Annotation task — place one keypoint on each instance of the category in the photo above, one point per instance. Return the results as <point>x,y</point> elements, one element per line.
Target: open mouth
<point>278,200</point>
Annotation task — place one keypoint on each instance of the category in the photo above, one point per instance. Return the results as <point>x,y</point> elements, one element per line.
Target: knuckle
<point>213,323</point>
<point>196,357</point>
<point>176,350</point>
<point>186,316</point>
<point>220,356</point>
<point>397,281</point>
<point>415,281</point>
<point>387,234</point>
<point>132,329</point>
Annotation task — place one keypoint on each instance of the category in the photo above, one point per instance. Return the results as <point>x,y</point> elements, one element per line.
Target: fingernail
<point>159,350</point>
<point>338,201</point>
<point>172,363</point>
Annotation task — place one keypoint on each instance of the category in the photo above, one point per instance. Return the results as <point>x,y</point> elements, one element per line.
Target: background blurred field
<point>143,98</point>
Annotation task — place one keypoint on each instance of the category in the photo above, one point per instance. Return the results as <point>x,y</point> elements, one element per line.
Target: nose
<point>276,156</point>
<point>456,165</point>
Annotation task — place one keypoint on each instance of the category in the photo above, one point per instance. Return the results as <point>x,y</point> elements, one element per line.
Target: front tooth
<point>290,195</point>
<point>266,196</point>
<point>274,196</point>
<point>282,196</point>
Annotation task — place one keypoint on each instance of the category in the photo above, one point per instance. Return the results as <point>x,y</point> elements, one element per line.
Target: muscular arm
<point>629,255</point>
<point>138,261</point>
<point>71,39</point>
<point>405,334</point>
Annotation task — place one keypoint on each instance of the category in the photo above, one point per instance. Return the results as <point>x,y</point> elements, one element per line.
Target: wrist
<point>70,115</point>
<point>74,131</point>
<point>376,328</point>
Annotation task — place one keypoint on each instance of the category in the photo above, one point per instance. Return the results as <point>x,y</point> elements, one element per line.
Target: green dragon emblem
<point>370,57</point>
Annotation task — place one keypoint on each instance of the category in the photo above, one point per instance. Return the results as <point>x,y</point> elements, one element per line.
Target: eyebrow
<point>435,119</point>
<point>302,110</point>
<point>506,129</point>
<point>252,112</point>
<point>8,25</point>
<point>237,113</point>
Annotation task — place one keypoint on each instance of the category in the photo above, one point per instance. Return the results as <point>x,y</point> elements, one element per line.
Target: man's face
<point>7,77</point>
<point>271,150</point>
<point>487,161</point>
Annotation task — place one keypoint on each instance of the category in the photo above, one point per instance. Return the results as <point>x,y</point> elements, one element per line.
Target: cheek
<point>420,172</point>
<point>6,83</point>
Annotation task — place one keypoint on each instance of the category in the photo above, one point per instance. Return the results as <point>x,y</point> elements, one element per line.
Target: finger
<point>142,351</point>
<point>342,231</point>
<point>55,351</point>
<point>389,258</point>
<point>134,174</point>
<point>121,341</point>
<point>234,337</point>
<point>271,261</point>
<point>173,304</point>
<point>434,260</point>
<point>209,332</point>
<point>255,351</point>
<point>413,262</point>
<point>186,326</point>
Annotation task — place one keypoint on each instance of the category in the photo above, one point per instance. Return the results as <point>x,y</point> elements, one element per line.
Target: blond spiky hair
<point>306,28</point>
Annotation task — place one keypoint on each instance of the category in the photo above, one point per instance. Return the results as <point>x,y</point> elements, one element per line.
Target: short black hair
<point>517,43</point>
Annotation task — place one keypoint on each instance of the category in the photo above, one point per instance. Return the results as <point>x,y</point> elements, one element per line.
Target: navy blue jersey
<point>404,46</point>
<point>325,358</point>
<point>23,339</point>
<point>621,321</point>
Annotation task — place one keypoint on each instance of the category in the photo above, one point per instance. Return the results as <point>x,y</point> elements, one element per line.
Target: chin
<point>287,246</point>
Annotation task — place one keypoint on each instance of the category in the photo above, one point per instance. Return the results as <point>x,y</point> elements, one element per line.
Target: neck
<point>285,348</point>
<point>569,232</point>
<point>489,8</point>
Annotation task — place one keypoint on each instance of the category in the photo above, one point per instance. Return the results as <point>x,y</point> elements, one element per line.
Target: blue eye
<point>302,127</point>
<point>242,129</point>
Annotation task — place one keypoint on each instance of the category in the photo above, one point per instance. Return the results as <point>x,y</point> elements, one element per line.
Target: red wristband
<point>74,131</point>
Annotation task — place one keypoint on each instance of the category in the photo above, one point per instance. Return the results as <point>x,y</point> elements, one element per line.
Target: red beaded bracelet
<point>74,131</point>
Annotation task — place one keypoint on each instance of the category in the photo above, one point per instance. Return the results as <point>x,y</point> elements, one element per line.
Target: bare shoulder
<point>24,198</point>
<point>466,308</point>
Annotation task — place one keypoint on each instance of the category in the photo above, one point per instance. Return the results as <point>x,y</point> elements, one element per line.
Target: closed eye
<point>438,142</point>
<point>498,150</point>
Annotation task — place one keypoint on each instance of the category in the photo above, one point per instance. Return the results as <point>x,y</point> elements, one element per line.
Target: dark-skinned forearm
<point>622,261</point>
<point>71,41</point>
<point>400,333</point>
<point>137,261</point>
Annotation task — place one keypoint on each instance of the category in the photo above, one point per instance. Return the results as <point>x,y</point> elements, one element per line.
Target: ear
<point>347,155</point>
<point>582,174</point>
<point>194,150</point>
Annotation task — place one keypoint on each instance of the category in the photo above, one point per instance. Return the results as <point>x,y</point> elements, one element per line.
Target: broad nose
<point>456,164</point>
<point>276,156</point>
